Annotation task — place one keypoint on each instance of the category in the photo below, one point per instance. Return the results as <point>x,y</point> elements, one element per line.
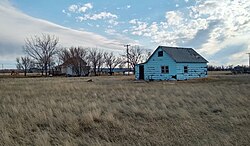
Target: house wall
<point>137,71</point>
<point>195,70</point>
<point>152,68</point>
<point>64,70</point>
<point>68,70</point>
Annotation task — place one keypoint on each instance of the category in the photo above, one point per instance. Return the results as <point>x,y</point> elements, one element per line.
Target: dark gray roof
<point>184,55</point>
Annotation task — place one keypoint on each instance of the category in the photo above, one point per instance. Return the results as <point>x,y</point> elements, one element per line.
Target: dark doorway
<point>141,72</point>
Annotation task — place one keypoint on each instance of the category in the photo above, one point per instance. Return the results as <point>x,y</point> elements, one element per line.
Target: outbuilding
<point>172,63</point>
<point>74,66</point>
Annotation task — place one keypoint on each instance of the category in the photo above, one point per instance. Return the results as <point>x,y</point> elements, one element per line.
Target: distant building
<point>74,66</point>
<point>241,70</point>
<point>172,63</point>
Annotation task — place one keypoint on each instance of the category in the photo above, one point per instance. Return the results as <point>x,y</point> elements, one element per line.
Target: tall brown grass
<point>119,111</point>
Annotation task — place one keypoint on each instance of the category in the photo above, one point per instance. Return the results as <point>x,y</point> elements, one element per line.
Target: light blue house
<point>172,63</point>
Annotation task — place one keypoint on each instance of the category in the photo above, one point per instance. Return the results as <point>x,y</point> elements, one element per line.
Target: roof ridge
<point>176,47</point>
<point>179,55</point>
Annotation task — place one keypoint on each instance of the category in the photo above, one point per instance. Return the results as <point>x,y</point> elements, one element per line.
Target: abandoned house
<point>74,66</point>
<point>172,63</point>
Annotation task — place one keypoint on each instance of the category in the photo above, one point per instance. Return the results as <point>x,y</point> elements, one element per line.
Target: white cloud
<point>102,15</point>
<point>73,8</point>
<point>80,13</point>
<point>233,17</point>
<point>85,7</point>
<point>171,32</point>
<point>117,35</point>
<point>68,14</point>
<point>113,22</point>
<point>174,17</point>
<point>128,6</point>
<point>78,8</point>
<point>15,26</point>
<point>140,27</point>
<point>110,31</point>
<point>125,31</point>
<point>209,25</point>
<point>133,21</point>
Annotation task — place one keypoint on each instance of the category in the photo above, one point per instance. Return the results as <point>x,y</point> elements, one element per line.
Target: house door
<point>141,72</point>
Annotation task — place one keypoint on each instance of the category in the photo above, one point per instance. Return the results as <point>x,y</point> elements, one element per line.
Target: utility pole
<point>249,60</point>
<point>127,57</point>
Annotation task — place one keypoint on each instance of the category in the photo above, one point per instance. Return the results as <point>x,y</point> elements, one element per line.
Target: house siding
<point>137,71</point>
<point>69,71</point>
<point>152,68</point>
<point>195,70</point>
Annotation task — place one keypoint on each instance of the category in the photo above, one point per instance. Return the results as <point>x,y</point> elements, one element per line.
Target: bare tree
<point>111,61</point>
<point>64,55</point>
<point>51,65</point>
<point>24,63</point>
<point>148,53</point>
<point>41,49</point>
<point>122,64</point>
<point>101,61</point>
<point>135,55</point>
<point>73,52</point>
<point>94,58</point>
<point>76,56</point>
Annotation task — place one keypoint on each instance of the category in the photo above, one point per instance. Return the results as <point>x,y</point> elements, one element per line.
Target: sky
<point>218,30</point>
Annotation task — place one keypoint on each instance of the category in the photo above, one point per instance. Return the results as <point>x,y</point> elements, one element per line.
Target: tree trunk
<point>42,71</point>
<point>46,69</point>
<point>110,70</point>
<point>25,72</point>
<point>95,70</point>
<point>49,69</point>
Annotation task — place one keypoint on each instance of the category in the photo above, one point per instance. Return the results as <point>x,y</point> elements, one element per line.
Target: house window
<point>160,53</point>
<point>185,69</point>
<point>164,69</point>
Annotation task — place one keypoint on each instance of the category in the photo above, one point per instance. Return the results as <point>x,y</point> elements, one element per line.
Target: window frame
<point>165,69</point>
<point>185,69</point>
<point>160,53</point>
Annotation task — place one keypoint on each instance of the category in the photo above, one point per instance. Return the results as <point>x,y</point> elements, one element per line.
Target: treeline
<point>225,68</point>
<point>43,52</point>
<point>220,68</point>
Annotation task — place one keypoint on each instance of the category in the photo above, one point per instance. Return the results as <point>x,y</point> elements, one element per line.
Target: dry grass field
<point>121,111</point>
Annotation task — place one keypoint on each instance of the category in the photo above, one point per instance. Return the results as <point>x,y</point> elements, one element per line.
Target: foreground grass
<point>117,110</point>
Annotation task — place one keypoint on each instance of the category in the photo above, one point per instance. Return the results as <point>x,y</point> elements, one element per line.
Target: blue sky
<point>219,30</point>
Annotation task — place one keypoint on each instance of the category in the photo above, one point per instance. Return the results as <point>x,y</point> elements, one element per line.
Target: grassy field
<point>121,111</point>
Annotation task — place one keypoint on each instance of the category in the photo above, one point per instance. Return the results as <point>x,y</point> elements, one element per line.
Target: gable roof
<point>74,60</point>
<point>183,55</point>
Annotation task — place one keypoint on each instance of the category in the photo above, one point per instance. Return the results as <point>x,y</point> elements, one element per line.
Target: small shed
<point>74,66</point>
<point>172,63</point>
